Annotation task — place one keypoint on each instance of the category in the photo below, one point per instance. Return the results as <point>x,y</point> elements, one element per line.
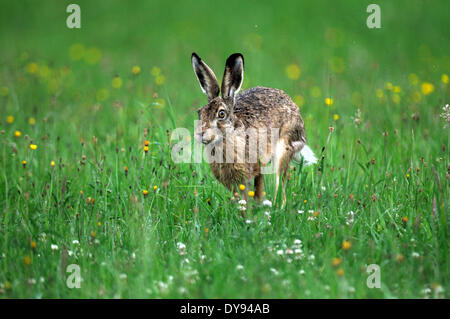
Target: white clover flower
<point>300,211</point>
<point>297,242</point>
<point>311,257</point>
<point>242,202</point>
<point>239,267</point>
<point>70,253</point>
<point>248,221</point>
<point>31,281</point>
<point>289,251</point>
<point>280,252</point>
<point>242,208</point>
<point>267,202</point>
<point>301,272</point>
<point>75,242</point>
<point>274,271</point>
<point>54,247</point>
<point>415,255</point>
<point>267,214</point>
<point>123,276</point>
<point>181,248</point>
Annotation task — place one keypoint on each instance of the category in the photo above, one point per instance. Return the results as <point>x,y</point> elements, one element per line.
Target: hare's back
<point>267,107</point>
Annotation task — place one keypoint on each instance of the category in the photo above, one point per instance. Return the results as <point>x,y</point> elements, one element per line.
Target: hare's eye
<point>221,114</point>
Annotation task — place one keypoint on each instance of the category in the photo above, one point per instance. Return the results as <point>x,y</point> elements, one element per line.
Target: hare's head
<point>217,116</point>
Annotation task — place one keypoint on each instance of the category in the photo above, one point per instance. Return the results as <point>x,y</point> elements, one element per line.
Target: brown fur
<point>258,107</point>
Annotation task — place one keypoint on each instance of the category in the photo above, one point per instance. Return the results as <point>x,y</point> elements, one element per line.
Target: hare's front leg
<point>259,186</point>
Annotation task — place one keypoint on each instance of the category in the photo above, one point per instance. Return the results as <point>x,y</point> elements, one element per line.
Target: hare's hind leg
<point>282,159</point>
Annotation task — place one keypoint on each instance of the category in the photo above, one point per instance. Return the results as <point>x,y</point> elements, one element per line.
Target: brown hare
<point>227,120</point>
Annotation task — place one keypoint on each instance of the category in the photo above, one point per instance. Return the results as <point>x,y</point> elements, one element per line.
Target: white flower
<point>123,276</point>
<point>41,280</point>
<point>75,242</point>
<point>181,248</point>
<point>298,251</point>
<point>267,214</point>
<point>274,271</point>
<point>267,202</point>
<point>301,211</point>
<point>280,252</point>
<point>324,188</point>
<point>54,247</point>
<point>242,208</point>
<point>310,211</point>
<point>239,267</point>
<point>248,221</point>
<point>311,217</point>
<point>289,251</point>
<point>31,281</point>
<point>415,255</point>
<point>242,202</point>
<point>70,253</point>
<point>311,257</point>
<point>301,272</point>
<point>297,242</point>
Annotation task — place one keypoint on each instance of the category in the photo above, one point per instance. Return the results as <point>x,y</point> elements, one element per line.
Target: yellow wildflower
<point>444,78</point>
<point>329,101</point>
<point>10,119</point>
<point>160,79</point>
<point>31,121</point>
<point>389,86</point>
<point>340,272</point>
<point>242,187</point>
<point>27,260</point>
<point>17,133</point>
<point>117,82</point>
<point>144,192</point>
<point>293,71</point>
<point>335,117</point>
<point>346,245</point>
<point>336,261</point>
<point>251,193</point>
<point>32,68</point>
<point>396,98</point>
<point>52,163</point>
<point>136,70</point>
<point>155,188</point>
<point>33,146</point>
<point>427,88</point>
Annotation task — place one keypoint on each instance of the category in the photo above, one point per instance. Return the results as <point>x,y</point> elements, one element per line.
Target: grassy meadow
<point>78,184</point>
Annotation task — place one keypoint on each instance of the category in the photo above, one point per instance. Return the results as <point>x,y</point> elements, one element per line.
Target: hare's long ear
<point>233,76</point>
<point>206,77</point>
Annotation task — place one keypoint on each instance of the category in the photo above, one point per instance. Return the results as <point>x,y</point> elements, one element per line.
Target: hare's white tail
<point>307,154</point>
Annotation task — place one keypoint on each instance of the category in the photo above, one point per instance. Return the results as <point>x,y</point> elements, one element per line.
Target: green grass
<point>394,164</point>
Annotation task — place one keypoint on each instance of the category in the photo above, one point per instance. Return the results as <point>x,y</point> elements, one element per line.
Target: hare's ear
<point>233,76</point>
<point>206,77</point>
